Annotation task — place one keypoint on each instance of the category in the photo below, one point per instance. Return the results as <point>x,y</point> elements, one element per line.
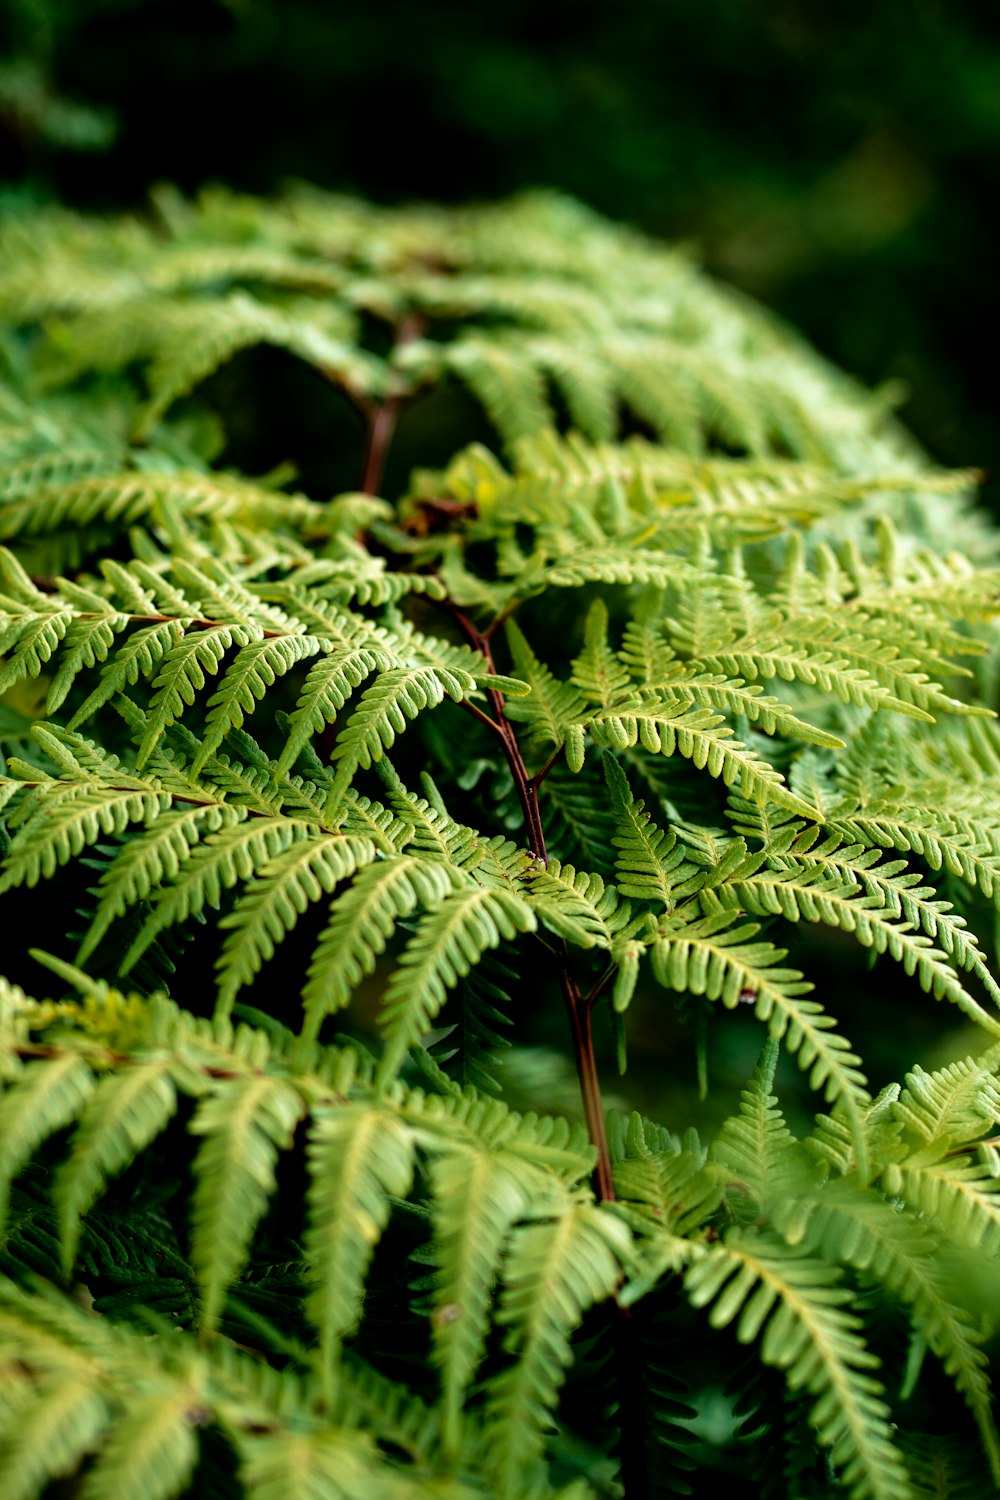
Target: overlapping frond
<point>555,1271</point>
<point>715,957</point>
<point>794,1303</point>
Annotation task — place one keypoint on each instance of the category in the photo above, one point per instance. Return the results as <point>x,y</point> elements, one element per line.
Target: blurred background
<point>839,162</point>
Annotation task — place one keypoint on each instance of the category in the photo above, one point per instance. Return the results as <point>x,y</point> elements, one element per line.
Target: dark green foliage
<point>279,765</point>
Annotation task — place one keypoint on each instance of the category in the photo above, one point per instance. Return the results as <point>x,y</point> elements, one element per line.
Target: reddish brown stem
<point>993,1140</point>
<point>579,1013</point>
<point>540,776</point>
<point>578,1008</point>
<point>477,713</point>
<point>186,621</point>
<point>381,426</point>
<point>381,416</point>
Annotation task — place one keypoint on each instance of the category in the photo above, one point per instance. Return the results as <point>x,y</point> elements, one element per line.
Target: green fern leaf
<point>123,1115</point>
<point>182,674</point>
<point>327,687</point>
<point>198,337</point>
<point>45,1098</point>
<point>819,895</point>
<point>86,643</point>
<point>218,862</point>
<point>310,1466</point>
<point>869,1234</point>
<point>360,1157</point>
<point>255,669</point>
<point>597,671</point>
<point>579,824</point>
<point>50,1436</point>
<point>651,865</point>
<point>962,1194</point>
<point>362,920</point>
<point>968,847</point>
<point>152,1452</point>
<point>756,1282</point>
<point>478,1197</point>
<point>551,705</point>
<point>509,386</point>
<point>245,1122</point>
<point>676,1191</point>
<point>450,941</point>
<point>554,1272</point>
<point>397,697</point>
<point>139,657</point>
<point>280,893</point>
<point>951,1106</point>
<point>711,957</point>
<point>577,905</point>
<point>757,1146</point>
<point>150,860</point>
<point>702,737</point>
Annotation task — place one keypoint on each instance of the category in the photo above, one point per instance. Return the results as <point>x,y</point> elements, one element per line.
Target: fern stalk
<point>381,418</point>
<point>578,1007</point>
<point>579,1012</point>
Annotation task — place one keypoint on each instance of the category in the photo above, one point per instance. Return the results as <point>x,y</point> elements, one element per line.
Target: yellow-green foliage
<point>702,653</point>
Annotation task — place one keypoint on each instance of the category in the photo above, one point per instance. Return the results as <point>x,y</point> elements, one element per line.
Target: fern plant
<point>312,807</point>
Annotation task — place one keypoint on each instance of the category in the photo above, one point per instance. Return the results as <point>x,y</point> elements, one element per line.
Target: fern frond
<point>236,1203</point>
<point>125,1112</point>
<point>578,905</point>
<point>951,1105</point>
<point>597,672</point>
<point>385,709</point>
<point>701,736</point>
<point>140,656</point>
<point>360,1158</point>
<point>479,1197</point>
<point>255,669</point>
<point>579,823</point>
<point>621,565</point>
<point>48,1437</point>
<point>651,866</point>
<point>676,1192</point>
<point>188,339</point>
<point>757,1146</point>
<point>150,860</point>
<point>48,1096</point>
<point>449,942</point>
<point>957,1192</point>
<point>551,705</point>
<point>218,862</point>
<point>153,1451</point>
<point>309,1465</point>
<point>870,1235</point>
<point>327,688</point>
<point>245,1124</point>
<point>553,1273</point>
<point>57,820</point>
<point>182,674</point>
<point>965,846</point>
<point>738,697</point>
<point>362,920</point>
<point>857,669</point>
<point>712,957</point>
<point>281,891</point>
<point>795,1305</point>
<point>884,919</point>
<point>471,1050</point>
<point>509,386</point>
